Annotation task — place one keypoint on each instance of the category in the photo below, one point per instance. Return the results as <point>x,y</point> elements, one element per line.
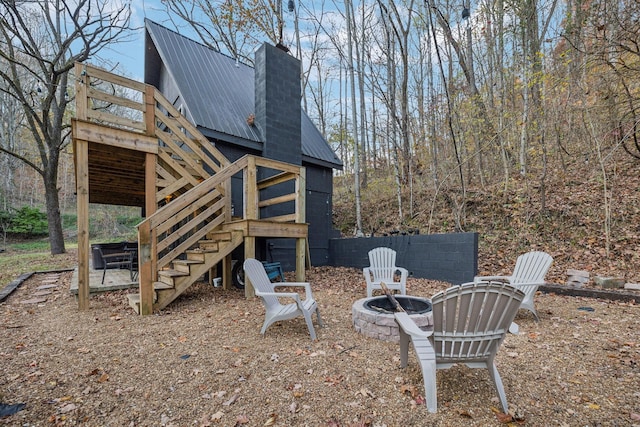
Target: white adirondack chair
<point>470,323</point>
<point>382,268</point>
<point>528,274</point>
<point>275,311</point>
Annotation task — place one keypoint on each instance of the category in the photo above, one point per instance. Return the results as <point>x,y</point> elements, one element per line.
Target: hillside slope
<point>571,227</point>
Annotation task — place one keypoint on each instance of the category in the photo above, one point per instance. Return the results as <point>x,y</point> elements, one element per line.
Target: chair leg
<point>312,331</point>
<point>497,381</point>
<point>320,323</point>
<point>104,273</point>
<point>514,328</point>
<point>429,377</point>
<point>404,348</point>
<point>535,314</point>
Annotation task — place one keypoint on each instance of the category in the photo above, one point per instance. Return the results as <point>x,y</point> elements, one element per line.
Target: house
<point>221,97</point>
<point>218,155</point>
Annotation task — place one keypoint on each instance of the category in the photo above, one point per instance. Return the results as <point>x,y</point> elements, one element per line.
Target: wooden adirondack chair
<point>470,323</point>
<point>275,311</point>
<point>528,274</point>
<point>382,268</point>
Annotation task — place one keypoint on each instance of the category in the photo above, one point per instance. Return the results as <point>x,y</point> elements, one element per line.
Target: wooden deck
<point>115,279</point>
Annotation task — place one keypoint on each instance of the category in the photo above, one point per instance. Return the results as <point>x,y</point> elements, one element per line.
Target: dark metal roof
<point>218,93</point>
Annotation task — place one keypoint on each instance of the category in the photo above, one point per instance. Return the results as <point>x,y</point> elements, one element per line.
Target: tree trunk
<point>356,155</point>
<point>54,219</point>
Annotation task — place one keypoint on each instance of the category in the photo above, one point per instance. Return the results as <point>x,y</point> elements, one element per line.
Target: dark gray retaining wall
<point>450,257</point>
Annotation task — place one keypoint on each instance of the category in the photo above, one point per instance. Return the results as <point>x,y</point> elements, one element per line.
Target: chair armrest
<point>404,273</point>
<point>407,324</point>
<point>307,287</point>
<point>507,279</point>
<point>368,275</point>
<point>516,282</point>
<point>293,295</point>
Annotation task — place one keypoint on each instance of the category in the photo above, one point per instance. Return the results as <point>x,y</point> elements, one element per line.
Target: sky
<point>130,55</point>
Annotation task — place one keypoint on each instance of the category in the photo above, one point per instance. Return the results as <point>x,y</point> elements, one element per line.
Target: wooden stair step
<point>198,254</point>
<point>134,302</point>
<point>167,276</point>
<point>209,245</point>
<point>159,286</point>
<point>219,236</point>
<point>134,299</point>
<point>184,264</point>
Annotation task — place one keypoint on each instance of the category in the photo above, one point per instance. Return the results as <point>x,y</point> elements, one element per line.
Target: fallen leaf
<point>502,417</point>
<point>410,389</point>
<point>365,392</point>
<point>231,401</point>
<point>217,416</point>
<point>67,408</point>
<point>334,380</point>
<point>242,419</point>
<point>465,414</point>
<point>204,422</point>
<point>271,420</point>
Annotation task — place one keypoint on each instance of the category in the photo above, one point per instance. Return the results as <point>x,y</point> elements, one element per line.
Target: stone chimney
<point>278,109</point>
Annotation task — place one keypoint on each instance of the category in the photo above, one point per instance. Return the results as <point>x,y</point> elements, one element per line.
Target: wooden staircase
<point>185,272</point>
<point>188,228</point>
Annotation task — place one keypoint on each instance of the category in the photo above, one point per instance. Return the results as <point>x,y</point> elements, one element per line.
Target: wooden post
<point>249,252</point>
<point>250,193</point>
<point>144,265</point>
<point>149,110</point>
<point>82,191</point>
<point>301,206</point>
<point>147,260</point>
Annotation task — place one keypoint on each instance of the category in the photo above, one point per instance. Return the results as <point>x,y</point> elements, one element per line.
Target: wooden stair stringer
<point>182,282</point>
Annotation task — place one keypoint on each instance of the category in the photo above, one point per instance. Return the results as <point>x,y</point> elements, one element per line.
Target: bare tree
<point>352,81</point>
<point>236,27</point>
<point>11,118</point>
<point>39,43</point>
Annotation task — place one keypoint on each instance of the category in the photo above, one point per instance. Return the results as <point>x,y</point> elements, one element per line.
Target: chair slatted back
<point>382,263</point>
<point>259,279</point>
<point>531,267</point>
<point>471,320</point>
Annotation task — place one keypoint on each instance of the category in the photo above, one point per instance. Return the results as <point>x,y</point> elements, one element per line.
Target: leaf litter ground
<point>202,362</point>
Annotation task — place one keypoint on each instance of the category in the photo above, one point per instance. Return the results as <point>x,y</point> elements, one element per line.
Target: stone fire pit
<point>380,324</point>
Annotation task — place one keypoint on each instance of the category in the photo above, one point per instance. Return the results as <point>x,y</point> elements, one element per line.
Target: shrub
<point>29,222</point>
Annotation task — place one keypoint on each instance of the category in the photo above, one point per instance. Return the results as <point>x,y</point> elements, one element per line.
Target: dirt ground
<point>202,362</point>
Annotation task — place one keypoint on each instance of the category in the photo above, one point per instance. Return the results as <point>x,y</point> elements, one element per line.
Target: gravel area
<point>202,362</point>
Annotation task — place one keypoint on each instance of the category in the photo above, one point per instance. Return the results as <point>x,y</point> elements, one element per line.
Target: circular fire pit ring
<point>411,305</point>
<point>373,317</point>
